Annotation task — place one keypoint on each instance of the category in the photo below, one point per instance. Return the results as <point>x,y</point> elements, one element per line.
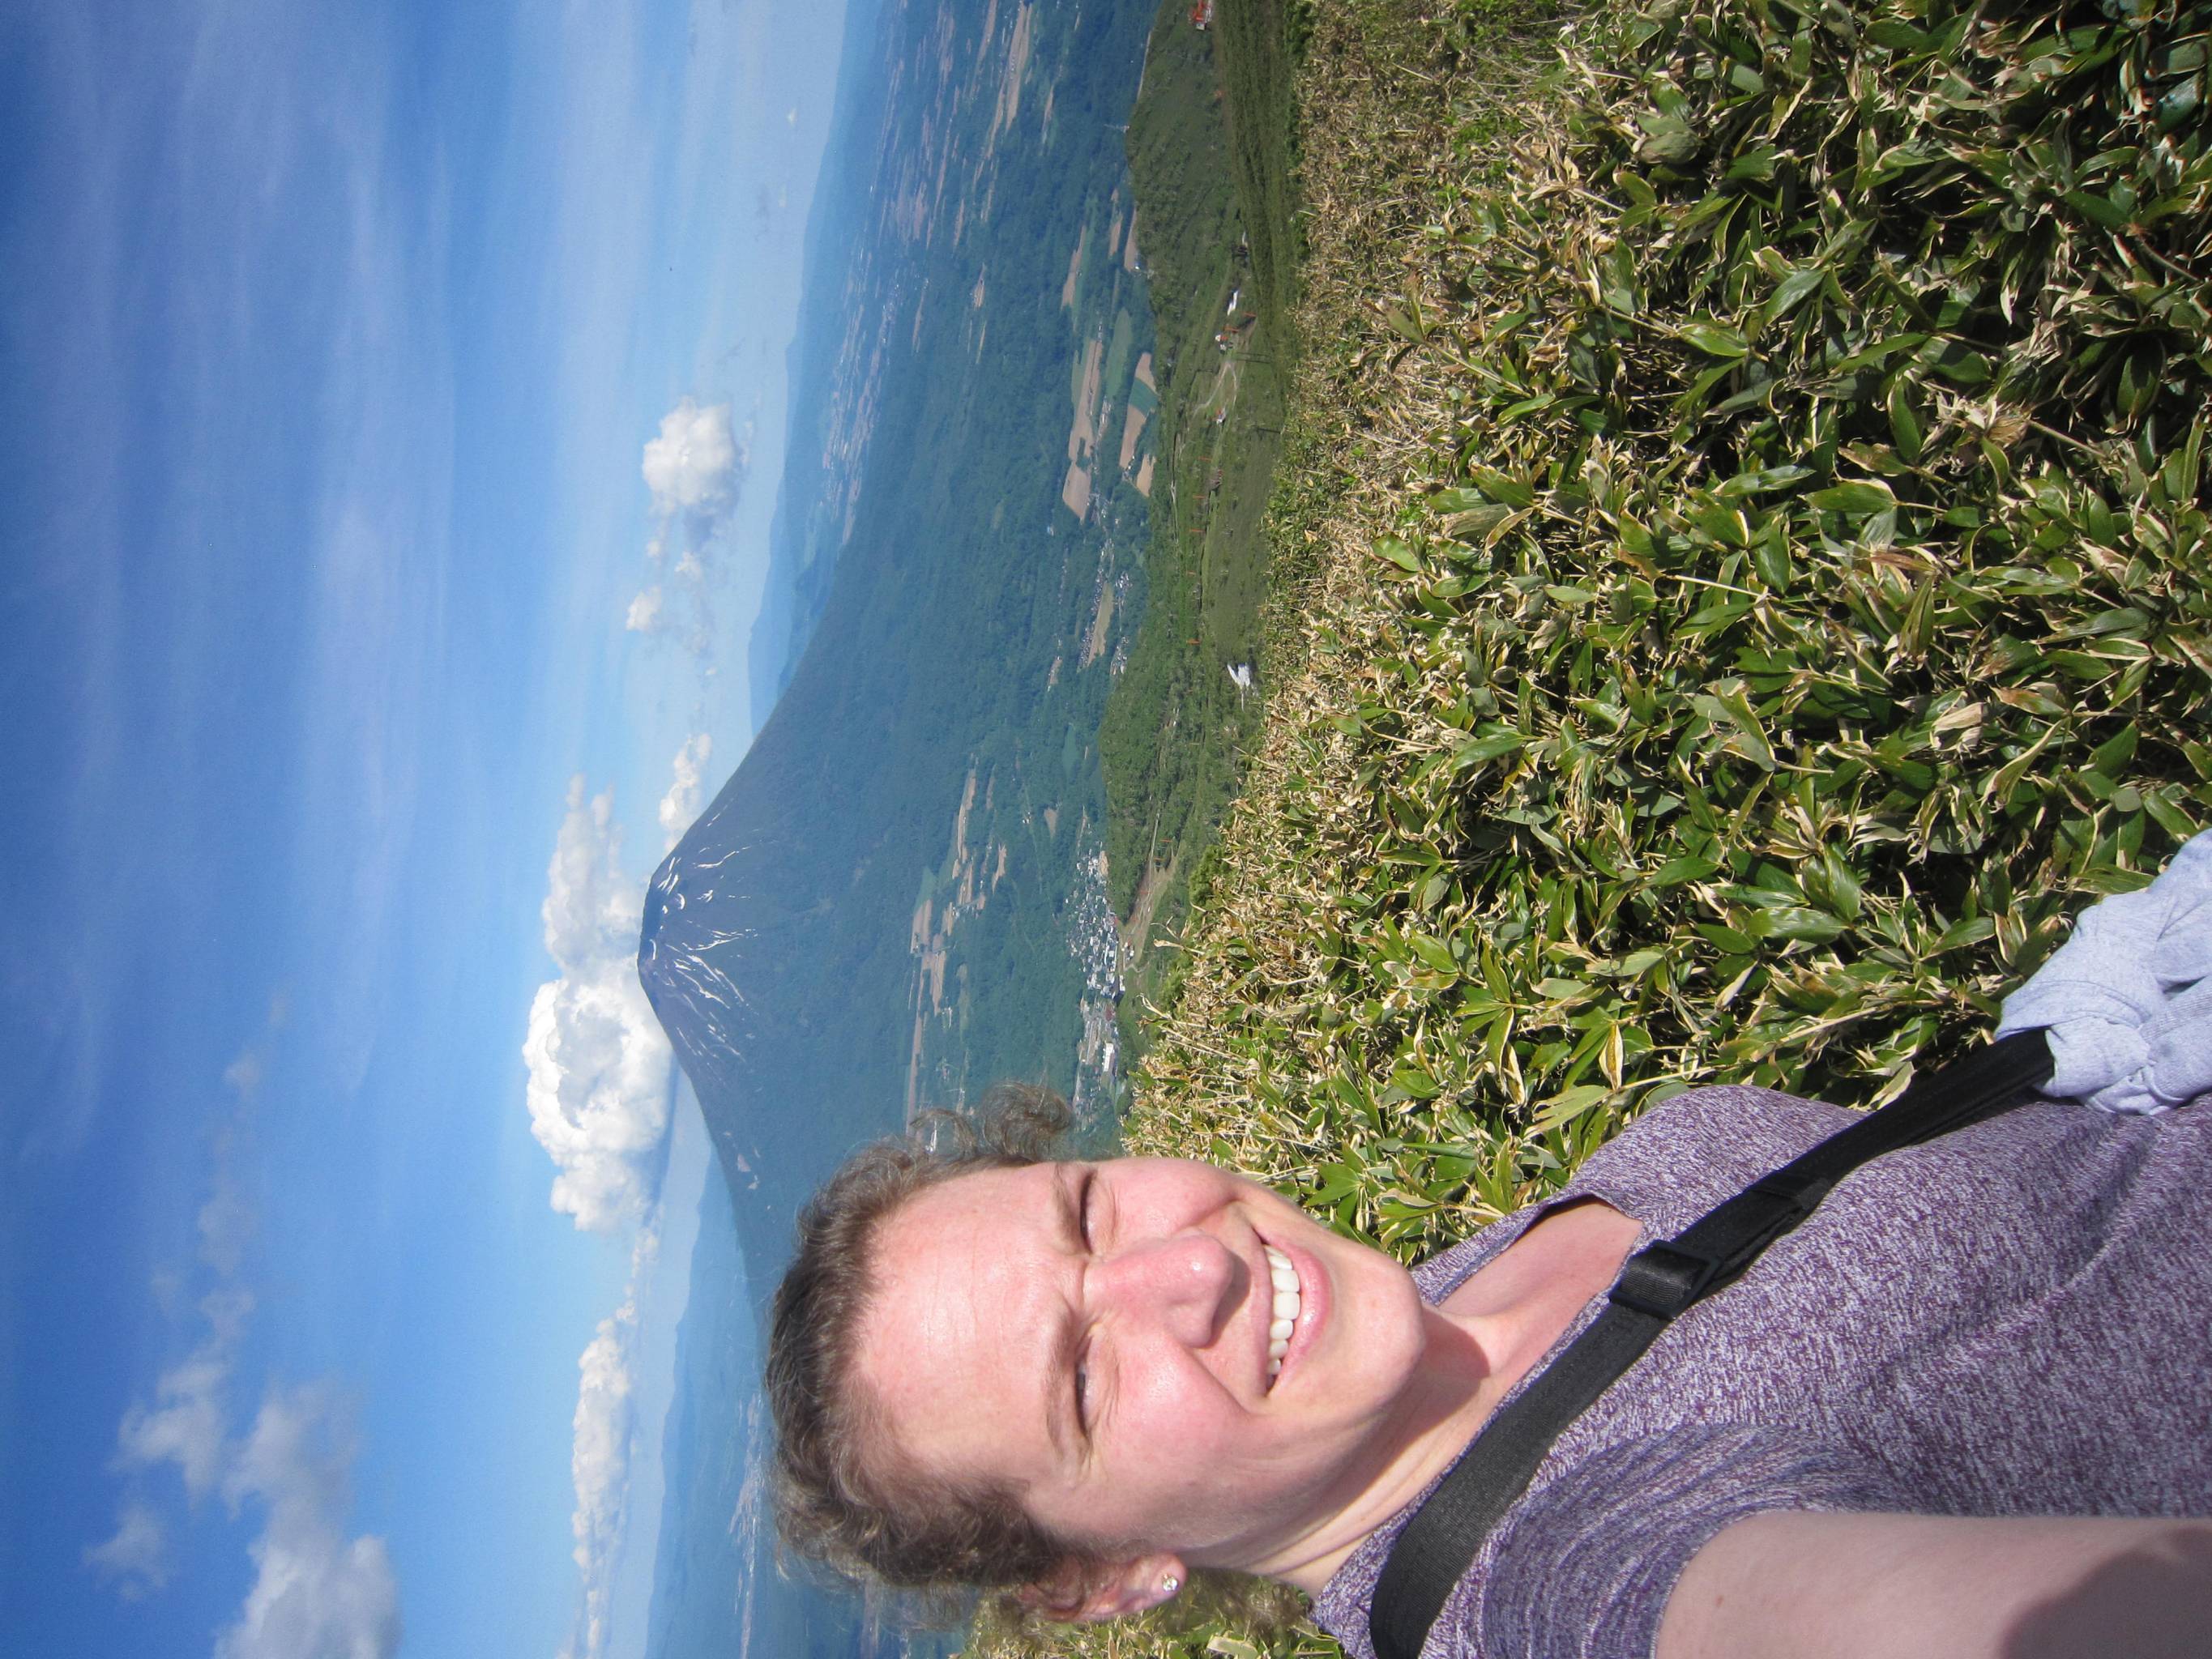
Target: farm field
<point>1737,581</point>
<point>1209,158</point>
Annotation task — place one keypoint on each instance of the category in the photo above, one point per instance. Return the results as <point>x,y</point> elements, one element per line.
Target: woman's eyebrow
<point>1068,1339</point>
<point>1066,1185</point>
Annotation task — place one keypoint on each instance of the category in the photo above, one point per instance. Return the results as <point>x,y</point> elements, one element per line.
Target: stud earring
<point>1170,1585</point>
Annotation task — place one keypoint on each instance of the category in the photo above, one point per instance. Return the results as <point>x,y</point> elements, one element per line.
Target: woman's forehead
<point>958,1326</point>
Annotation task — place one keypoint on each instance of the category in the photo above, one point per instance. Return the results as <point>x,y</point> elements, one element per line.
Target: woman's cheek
<point>1184,1416</point>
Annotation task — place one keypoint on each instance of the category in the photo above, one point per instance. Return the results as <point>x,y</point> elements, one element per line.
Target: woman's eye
<point>1083,1207</point>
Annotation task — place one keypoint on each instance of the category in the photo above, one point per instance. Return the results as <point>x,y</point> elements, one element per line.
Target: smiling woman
<point>1083,1381</point>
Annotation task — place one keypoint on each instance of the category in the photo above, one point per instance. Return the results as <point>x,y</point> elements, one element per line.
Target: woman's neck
<point>1484,1337</point>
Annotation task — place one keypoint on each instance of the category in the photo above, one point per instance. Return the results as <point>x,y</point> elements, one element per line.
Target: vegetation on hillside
<point>895,879</point>
<point>1743,581</point>
<point>1210,161</point>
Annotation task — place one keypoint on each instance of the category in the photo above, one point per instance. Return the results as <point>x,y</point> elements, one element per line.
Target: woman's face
<point>1096,1336</point>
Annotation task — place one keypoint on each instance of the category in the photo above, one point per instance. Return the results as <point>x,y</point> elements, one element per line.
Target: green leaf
<point>1504,487</point>
<point>1476,750</point>
<point>1791,921</point>
<point>1677,870</point>
<point>1904,424</point>
<point>1566,1106</point>
<point>2111,757</point>
<point>1973,931</point>
<point>1762,481</point>
<point>1415,1082</point>
<point>2106,212</point>
<point>1790,292</point>
<point>1715,338</point>
<point>1863,495</point>
<point>1897,36</point>
<point>1435,952</point>
<point>1732,714</point>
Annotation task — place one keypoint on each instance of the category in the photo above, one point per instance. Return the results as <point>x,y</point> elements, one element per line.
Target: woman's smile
<point>1303,1300</point>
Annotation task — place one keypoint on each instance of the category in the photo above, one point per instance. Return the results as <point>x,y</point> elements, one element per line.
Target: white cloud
<point>599,1460</point>
<point>229,1218</point>
<point>186,1425</point>
<point>681,803</point>
<point>599,1464</point>
<point>226,1311</point>
<point>589,906</point>
<point>137,1559</point>
<point>694,464</point>
<point>227,1223</point>
<point>245,1073</point>
<point>317,1593</point>
<point>645,611</point>
<point>599,1063</point>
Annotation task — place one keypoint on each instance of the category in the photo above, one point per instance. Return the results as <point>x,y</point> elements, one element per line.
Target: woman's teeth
<point>1285,1312</point>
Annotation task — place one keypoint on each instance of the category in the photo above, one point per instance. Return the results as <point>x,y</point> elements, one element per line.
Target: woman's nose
<point>1186,1282</point>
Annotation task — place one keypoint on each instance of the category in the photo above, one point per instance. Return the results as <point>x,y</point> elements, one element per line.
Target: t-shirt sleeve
<point>1583,1568</point>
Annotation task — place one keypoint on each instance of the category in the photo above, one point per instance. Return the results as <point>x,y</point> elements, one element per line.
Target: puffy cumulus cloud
<point>598,1462</point>
<point>597,1090</point>
<point>186,1425</point>
<point>315,1591</point>
<point>645,611</point>
<point>136,1560</point>
<point>694,466</point>
<point>591,907</point>
<point>681,803</point>
<point>598,1070</point>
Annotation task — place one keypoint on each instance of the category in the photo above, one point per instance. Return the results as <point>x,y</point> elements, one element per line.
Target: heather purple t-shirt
<point>2013,1319</point>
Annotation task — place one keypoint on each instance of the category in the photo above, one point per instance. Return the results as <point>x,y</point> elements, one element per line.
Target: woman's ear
<point>1107,1590</point>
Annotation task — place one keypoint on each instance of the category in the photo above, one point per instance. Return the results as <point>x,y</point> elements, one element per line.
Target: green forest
<point>1210,154</point>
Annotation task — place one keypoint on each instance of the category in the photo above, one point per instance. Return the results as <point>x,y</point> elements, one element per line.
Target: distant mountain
<point>837,224</point>
<point>898,897</point>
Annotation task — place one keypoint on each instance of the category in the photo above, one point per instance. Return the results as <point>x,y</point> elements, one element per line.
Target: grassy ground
<point>1743,580</point>
<point>1210,148</point>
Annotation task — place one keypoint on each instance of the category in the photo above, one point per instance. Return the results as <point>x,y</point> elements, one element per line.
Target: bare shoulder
<point>1829,1585</point>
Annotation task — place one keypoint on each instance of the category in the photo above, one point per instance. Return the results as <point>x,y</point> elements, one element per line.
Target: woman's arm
<point>1799,1585</point>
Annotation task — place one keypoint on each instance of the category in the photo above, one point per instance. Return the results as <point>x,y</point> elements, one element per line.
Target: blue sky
<point>393,398</point>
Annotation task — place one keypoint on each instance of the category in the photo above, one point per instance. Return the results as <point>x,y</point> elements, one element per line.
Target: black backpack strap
<point>1656,1285</point>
